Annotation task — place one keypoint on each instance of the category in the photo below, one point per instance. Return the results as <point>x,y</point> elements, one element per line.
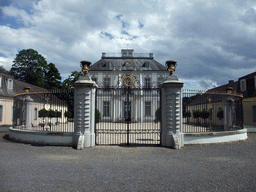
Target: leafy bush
<point>186,114</point>
<point>158,115</point>
<point>220,114</point>
<point>43,113</point>
<point>196,114</point>
<point>97,116</point>
<point>68,114</point>
<point>204,114</point>
<point>52,113</point>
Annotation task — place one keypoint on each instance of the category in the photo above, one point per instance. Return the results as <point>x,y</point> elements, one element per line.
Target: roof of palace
<point>127,61</point>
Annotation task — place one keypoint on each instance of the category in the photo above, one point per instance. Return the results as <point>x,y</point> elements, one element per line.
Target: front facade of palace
<point>146,76</point>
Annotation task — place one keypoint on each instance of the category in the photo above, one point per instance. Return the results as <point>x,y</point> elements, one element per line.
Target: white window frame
<point>243,84</point>
<point>107,81</point>
<point>147,82</point>
<point>106,108</point>
<point>9,84</point>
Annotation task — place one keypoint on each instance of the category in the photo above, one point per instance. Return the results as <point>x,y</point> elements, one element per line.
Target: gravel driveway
<point>216,167</point>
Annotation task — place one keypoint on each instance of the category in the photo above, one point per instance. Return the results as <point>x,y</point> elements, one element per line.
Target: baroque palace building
<point>147,74</point>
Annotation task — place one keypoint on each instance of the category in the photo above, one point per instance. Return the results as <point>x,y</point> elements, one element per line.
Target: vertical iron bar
<point>128,142</point>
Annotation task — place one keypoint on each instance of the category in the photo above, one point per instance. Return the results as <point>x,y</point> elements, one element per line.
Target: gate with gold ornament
<point>128,113</point>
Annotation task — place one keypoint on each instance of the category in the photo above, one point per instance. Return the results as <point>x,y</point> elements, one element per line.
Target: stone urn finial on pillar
<point>85,67</point>
<point>171,65</point>
<point>171,98</point>
<point>84,109</point>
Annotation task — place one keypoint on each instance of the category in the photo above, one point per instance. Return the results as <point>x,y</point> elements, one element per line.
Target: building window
<point>10,84</point>
<point>147,82</point>
<point>1,113</point>
<point>106,65</point>
<point>107,82</point>
<point>254,113</point>
<point>146,64</point>
<point>147,108</point>
<point>35,113</point>
<point>243,85</point>
<point>0,82</point>
<point>106,108</point>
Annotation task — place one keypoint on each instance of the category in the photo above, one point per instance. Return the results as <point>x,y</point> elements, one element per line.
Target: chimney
<point>231,81</point>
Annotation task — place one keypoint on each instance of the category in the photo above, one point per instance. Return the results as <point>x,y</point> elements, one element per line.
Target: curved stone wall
<point>41,138</point>
<point>215,137</point>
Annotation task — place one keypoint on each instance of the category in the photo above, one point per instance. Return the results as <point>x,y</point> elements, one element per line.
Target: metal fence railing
<point>208,111</point>
<point>49,110</point>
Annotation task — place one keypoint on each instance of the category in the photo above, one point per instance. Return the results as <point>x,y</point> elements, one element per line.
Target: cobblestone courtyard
<point>216,167</point>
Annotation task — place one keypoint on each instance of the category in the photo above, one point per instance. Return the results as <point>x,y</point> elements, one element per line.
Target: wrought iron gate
<point>128,116</point>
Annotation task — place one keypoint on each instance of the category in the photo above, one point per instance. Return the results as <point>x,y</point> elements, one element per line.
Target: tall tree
<point>29,66</point>
<point>52,77</point>
<point>69,82</point>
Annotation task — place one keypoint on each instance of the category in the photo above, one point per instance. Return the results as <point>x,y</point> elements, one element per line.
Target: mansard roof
<point>127,62</point>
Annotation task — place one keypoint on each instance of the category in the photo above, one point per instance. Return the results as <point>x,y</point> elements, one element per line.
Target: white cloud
<point>212,41</point>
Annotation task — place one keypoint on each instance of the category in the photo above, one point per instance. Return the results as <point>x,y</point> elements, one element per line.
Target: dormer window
<point>9,84</point>
<point>146,64</point>
<point>105,64</point>
<point>126,63</point>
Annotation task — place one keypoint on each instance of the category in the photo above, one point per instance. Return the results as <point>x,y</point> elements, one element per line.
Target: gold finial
<point>26,89</point>
<point>84,66</point>
<point>171,66</point>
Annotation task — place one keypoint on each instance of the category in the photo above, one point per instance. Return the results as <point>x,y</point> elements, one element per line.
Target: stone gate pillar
<point>28,103</point>
<point>84,111</point>
<point>172,134</point>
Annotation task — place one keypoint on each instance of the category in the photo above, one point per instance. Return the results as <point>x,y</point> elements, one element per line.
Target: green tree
<point>30,67</point>
<point>220,114</point>
<point>52,77</point>
<point>97,116</point>
<point>68,96</point>
<point>187,114</point>
<point>158,115</point>
<point>69,82</point>
<point>204,114</point>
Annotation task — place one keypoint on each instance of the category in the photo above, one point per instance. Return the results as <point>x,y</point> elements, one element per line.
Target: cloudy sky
<point>213,41</point>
